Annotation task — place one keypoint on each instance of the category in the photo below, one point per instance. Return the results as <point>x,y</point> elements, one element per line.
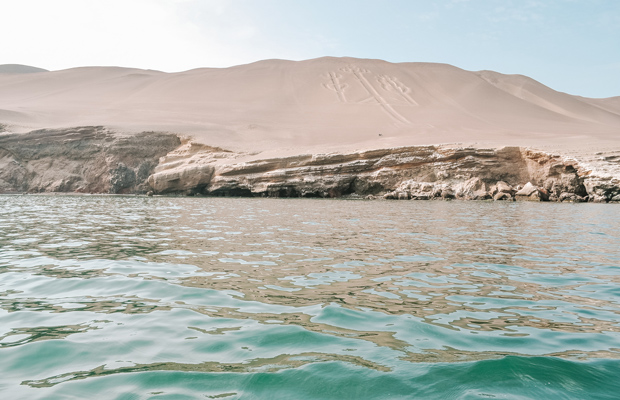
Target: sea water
<point>107,297</point>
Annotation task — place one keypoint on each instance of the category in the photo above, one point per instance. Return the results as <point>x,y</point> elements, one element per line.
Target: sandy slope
<point>281,107</point>
<point>19,69</point>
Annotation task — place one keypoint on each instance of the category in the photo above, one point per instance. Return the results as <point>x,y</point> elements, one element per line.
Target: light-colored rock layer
<point>419,172</point>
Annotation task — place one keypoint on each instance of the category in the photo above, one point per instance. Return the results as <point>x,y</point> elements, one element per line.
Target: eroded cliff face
<point>83,160</point>
<point>97,160</point>
<point>420,172</point>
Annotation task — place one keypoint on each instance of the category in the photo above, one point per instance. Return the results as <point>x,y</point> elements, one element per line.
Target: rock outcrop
<point>187,169</point>
<point>97,160</point>
<point>83,160</point>
<point>417,173</point>
<point>531,192</point>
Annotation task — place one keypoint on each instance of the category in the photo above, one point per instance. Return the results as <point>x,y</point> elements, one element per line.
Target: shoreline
<point>342,198</point>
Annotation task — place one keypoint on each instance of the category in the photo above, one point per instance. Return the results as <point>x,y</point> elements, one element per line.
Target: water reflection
<point>247,285</point>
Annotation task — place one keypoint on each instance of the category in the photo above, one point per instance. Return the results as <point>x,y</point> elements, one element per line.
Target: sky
<point>570,45</point>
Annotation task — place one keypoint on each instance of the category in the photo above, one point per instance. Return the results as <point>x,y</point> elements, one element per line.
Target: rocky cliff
<point>418,172</point>
<point>97,160</point>
<point>82,160</point>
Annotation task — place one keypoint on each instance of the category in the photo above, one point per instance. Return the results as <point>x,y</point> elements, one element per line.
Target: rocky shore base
<point>97,160</point>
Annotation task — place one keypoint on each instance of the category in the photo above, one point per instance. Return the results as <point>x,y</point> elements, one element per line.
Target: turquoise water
<point>198,298</point>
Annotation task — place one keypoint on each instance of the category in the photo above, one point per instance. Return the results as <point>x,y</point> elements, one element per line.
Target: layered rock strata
<point>97,160</point>
<point>419,173</point>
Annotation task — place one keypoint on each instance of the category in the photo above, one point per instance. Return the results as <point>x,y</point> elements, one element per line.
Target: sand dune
<point>19,69</point>
<point>287,106</point>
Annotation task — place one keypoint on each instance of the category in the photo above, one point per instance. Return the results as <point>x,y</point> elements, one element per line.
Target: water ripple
<point>244,298</point>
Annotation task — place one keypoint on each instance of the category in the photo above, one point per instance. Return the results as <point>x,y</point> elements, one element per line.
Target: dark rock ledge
<point>80,160</point>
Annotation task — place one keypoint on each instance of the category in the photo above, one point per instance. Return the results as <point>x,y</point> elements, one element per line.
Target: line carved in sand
<point>392,84</point>
<point>336,86</point>
<point>358,73</point>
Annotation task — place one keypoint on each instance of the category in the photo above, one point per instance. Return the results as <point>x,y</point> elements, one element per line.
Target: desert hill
<point>19,69</point>
<point>340,102</point>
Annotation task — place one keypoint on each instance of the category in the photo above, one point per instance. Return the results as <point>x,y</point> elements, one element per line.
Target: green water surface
<point>107,297</point>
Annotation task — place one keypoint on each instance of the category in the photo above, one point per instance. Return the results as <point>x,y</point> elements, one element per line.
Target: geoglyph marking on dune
<point>336,86</point>
<point>389,84</point>
<point>359,75</point>
<point>392,84</point>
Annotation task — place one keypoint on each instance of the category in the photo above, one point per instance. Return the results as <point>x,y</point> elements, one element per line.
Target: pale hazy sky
<point>570,45</point>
